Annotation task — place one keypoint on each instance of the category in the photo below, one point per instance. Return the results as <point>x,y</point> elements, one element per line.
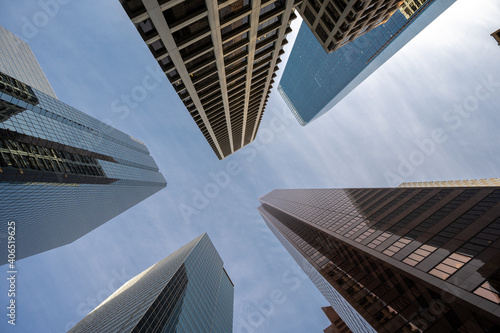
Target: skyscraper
<point>62,172</point>
<point>188,291</point>
<point>409,7</point>
<point>220,57</point>
<point>18,61</point>
<point>338,325</point>
<point>455,183</point>
<point>496,35</point>
<point>406,259</point>
<point>313,82</point>
<point>338,22</point>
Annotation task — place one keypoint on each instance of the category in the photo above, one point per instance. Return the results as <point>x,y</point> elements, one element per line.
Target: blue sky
<point>402,124</point>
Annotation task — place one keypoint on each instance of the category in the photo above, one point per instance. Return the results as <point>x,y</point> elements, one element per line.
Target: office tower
<point>409,7</point>
<point>496,35</point>
<point>455,183</point>
<point>313,82</point>
<point>221,58</point>
<point>18,61</point>
<point>337,22</point>
<point>188,291</point>
<point>338,325</point>
<point>62,172</point>
<point>406,259</point>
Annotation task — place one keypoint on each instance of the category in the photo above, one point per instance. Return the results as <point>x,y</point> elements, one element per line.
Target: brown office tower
<point>406,259</point>
<point>338,325</point>
<point>496,35</point>
<point>338,22</point>
<point>221,58</point>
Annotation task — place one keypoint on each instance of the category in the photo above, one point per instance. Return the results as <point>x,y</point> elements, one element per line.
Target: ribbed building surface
<point>188,291</point>
<point>455,183</point>
<point>62,172</point>
<point>313,82</point>
<point>406,259</point>
<point>221,58</point>
<point>18,61</point>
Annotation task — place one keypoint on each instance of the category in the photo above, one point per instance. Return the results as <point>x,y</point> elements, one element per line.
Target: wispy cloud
<point>92,55</point>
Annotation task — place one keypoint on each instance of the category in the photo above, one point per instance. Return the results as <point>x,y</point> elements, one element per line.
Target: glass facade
<point>335,22</point>
<point>406,259</point>
<point>313,81</point>
<point>352,318</point>
<point>338,325</point>
<point>189,291</point>
<point>62,172</point>
<point>18,61</point>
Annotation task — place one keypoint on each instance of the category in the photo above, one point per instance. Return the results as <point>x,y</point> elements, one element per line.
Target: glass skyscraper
<point>338,325</point>
<point>348,314</point>
<point>313,81</point>
<point>408,259</point>
<point>18,61</point>
<point>62,172</point>
<point>188,291</point>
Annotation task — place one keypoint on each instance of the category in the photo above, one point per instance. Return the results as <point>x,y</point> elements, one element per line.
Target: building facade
<point>313,82</point>
<point>496,35</point>
<point>18,61</point>
<point>62,172</point>
<point>455,183</point>
<point>409,7</point>
<point>406,259</point>
<point>221,58</point>
<point>335,23</point>
<point>338,325</point>
<point>188,291</point>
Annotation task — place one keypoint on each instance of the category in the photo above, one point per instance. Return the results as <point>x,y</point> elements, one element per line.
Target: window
<point>449,265</point>
<point>419,254</point>
<point>233,26</point>
<point>181,11</point>
<point>488,292</point>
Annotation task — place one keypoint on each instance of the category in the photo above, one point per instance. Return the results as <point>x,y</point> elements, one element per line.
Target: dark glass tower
<point>189,291</point>
<point>338,325</point>
<point>406,259</point>
<point>313,82</point>
<point>62,172</point>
